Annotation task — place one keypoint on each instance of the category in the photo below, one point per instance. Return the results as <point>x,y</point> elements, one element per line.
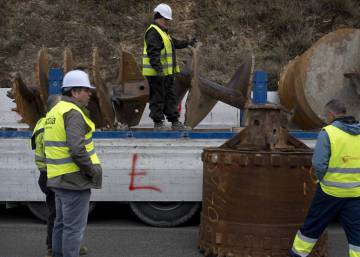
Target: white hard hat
<point>164,10</point>
<point>76,78</point>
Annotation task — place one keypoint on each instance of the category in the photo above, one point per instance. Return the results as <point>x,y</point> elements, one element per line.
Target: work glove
<point>193,41</point>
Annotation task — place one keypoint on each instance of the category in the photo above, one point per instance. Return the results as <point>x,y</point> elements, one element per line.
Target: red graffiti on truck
<point>135,173</point>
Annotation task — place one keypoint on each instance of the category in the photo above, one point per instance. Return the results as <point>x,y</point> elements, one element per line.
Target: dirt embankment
<point>275,30</point>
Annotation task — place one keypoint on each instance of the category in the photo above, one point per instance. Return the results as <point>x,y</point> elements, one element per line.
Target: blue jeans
<point>72,208</point>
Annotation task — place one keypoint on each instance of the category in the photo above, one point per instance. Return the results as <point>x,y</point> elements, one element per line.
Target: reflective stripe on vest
<point>354,251</point>
<point>342,178</point>
<point>38,139</point>
<point>58,158</point>
<point>303,245</point>
<point>166,56</point>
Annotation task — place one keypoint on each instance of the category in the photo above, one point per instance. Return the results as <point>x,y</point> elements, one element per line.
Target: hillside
<point>275,30</point>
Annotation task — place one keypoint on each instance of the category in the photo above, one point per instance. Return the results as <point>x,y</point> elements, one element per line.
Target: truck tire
<point>165,214</point>
<point>40,210</point>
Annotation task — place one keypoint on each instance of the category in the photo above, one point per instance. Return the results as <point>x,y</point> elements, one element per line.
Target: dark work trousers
<point>162,98</point>
<point>324,209</point>
<point>50,202</point>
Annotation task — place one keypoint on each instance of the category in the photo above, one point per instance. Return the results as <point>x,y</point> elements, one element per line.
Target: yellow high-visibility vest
<point>37,141</point>
<point>166,56</point>
<point>342,179</point>
<point>58,158</point>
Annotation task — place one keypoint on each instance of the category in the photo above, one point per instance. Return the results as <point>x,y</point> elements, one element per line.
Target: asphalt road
<point>113,231</point>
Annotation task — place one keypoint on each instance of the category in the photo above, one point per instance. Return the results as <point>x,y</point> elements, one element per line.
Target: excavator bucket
<point>131,92</point>
<point>204,94</point>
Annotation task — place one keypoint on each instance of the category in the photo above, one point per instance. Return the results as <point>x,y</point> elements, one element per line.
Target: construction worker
<point>73,167</point>
<point>37,144</point>
<point>336,162</point>
<point>160,67</point>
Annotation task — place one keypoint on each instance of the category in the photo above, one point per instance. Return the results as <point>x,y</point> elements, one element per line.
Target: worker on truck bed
<point>160,67</point>
<point>73,167</point>
<point>336,161</point>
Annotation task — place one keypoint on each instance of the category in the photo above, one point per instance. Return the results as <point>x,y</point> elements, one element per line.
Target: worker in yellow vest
<point>336,161</point>
<point>160,67</point>
<point>73,167</point>
<point>37,144</point>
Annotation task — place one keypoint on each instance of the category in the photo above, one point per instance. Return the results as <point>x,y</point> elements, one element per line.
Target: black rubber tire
<point>40,210</point>
<point>165,214</point>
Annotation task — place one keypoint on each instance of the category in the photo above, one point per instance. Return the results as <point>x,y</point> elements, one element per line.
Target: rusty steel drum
<point>309,81</point>
<point>254,202</point>
<point>257,188</point>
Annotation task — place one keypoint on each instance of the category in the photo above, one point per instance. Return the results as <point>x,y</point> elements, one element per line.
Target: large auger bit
<point>96,114</point>
<point>94,108</point>
<point>31,100</point>
<point>41,72</point>
<point>204,94</point>
<point>28,101</point>
<point>103,94</point>
<point>68,60</point>
<point>131,92</point>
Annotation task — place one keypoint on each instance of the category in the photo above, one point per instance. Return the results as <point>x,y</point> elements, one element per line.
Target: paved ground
<point>114,232</point>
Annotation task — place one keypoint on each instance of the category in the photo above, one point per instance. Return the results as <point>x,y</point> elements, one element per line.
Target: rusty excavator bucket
<point>204,94</point>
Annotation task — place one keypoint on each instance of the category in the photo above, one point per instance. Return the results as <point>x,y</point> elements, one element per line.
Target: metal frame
<point>161,135</point>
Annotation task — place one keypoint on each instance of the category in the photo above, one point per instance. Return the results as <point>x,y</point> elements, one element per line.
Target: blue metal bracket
<point>55,79</point>
<point>259,87</point>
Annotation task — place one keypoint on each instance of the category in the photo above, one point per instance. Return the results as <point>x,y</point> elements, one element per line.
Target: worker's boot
<point>177,125</point>
<point>159,126</point>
